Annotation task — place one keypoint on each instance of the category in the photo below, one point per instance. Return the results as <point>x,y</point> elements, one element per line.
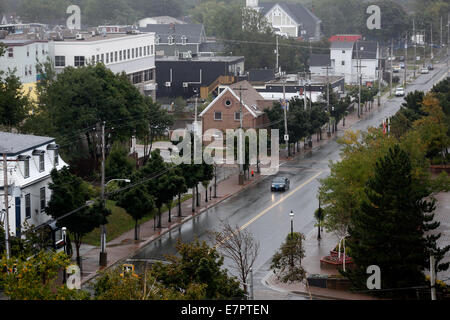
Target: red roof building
<point>345,38</point>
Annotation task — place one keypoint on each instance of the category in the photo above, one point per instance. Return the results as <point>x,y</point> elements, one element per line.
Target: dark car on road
<point>280,184</point>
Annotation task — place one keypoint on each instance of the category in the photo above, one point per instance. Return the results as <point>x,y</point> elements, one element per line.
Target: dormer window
<point>157,39</point>
<point>183,40</point>
<point>40,154</point>
<point>55,148</point>
<point>26,165</point>
<point>170,40</point>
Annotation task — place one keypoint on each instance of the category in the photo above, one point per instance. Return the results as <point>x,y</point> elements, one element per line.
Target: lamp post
<point>319,218</point>
<point>103,253</point>
<point>292,223</point>
<point>63,229</point>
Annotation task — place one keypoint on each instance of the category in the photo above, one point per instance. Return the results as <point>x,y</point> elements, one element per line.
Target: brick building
<point>224,111</point>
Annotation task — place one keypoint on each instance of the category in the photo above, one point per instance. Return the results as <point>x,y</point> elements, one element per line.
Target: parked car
<point>396,69</point>
<point>430,67</point>
<point>280,183</point>
<point>402,65</point>
<point>424,71</point>
<point>401,58</point>
<point>399,92</point>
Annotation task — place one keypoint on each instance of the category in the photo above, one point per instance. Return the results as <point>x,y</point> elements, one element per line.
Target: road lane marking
<point>259,215</point>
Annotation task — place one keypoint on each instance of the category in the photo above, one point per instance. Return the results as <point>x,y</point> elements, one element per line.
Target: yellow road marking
<point>259,215</point>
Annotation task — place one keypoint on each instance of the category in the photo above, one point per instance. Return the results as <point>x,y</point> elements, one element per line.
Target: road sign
<point>286,137</point>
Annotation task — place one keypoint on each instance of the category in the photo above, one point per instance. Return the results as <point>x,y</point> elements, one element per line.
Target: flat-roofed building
<point>132,53</point>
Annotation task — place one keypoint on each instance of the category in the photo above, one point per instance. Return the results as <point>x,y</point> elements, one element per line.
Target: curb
<point>172,226</point>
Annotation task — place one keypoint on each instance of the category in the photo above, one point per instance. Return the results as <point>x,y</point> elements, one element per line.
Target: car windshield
<point>278,180</point>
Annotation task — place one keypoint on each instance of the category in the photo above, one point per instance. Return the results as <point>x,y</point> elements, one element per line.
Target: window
<point>148,50</point>
<point>60,61</point>
<point>148,75</point>
<point>140,51</point>
<point>42,198</point>
<point>79,61</point>
<point>151,47</point>
<point>26,167</point>
<point>41,163</point>
<point>43,50</point>
<point>107,58</point>
<point>10,52</point>
<point>343,51</point>
<point>217,115</point>
<point>170,40</point>
<point>98,59</point>
<point>115,56</point>
<point>56,157</point>
<point>27,206</point>
<point>237,116</point>
<point>103,58</point>
<point>111,57</point>
<point>28,51</point>
<point>183,40</point>
<point>343,63</point>
<point>228,103</point>
<point>137,77</point>
<point>157,40</point>
<point>128,54</point>
<point>145,51</point>
<point>132,53</point>
<point>120,55</point>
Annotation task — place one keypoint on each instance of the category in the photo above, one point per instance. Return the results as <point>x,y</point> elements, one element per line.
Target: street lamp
<point>103,254</point>
<point>292,223</point>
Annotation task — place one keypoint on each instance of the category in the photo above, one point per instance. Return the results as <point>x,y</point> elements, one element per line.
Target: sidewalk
<point>124,246</point>
<point>314,250</point>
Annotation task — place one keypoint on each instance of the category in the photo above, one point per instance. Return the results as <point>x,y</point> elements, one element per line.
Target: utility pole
<point>328,99</point>
<point>276,53</point>
<point>103,254</point>
<point>390,59</point>
<point>379,75</point>
<point>241,164</point>
<point>433,278</point>
<point>286,134</point>
<point>5,190</point>
<point>431,42</point>
<point>406,59</point>
<point>415,47</point>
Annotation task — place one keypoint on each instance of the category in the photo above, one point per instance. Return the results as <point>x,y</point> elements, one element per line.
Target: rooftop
<point>14,144</point>
<point>201,59</point>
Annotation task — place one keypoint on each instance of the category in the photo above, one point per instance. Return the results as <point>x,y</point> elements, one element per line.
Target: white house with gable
<point>30,159</point>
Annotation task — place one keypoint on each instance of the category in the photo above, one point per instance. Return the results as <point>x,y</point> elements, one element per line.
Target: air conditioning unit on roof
<point>185,84</point>
<point>168,84</point>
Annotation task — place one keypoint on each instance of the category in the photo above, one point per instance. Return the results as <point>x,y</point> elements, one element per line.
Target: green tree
<point>14,104</point>
<point>80,98</point>
<point>138,203</point>
<point>395,215</point>
<point>287,261</point>
<point>70,193</point>
<point>118,164</point>
<point>198,263</point>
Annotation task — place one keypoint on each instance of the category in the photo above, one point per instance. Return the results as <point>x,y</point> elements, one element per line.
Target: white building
<point>22,55</point>
<point>30,161</point>
<point>350,58</point>
<point>132,53</point>
<point>289,19</point>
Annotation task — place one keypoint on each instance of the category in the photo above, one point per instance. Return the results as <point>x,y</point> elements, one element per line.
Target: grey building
<point>173,39</point>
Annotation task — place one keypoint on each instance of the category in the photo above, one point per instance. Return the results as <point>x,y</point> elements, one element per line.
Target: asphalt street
<point>266,214</point>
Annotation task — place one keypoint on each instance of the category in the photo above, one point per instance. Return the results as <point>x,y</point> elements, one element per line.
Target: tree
<point>70,193</point>
<point>35,278</point>
<point>389,229</point>
<point>81,98</point>
<point>110,285</point>
<point>240,247</point>
<point>138,204</point>
<point>158,123</point>
<point>198,263</point>
<point>287,261</point>
<point>118,164</point>
<point>14,104</point>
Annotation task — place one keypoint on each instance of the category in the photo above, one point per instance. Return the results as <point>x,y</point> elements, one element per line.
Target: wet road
<point>266,214</point>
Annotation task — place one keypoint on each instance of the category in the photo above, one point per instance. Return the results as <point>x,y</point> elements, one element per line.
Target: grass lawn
<point>120,222</point>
